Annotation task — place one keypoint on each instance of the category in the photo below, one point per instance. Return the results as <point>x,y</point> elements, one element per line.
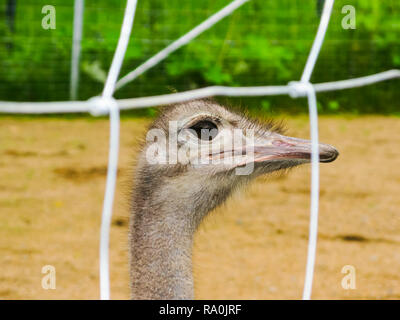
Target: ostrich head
<point>200,150</point>
<point>195,155</point>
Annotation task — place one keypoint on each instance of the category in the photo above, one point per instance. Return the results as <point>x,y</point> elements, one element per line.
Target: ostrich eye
<point>205,130</point>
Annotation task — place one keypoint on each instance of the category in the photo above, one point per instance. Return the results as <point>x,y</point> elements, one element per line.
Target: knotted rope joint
<point>100,105</point>
<point>298,89</point>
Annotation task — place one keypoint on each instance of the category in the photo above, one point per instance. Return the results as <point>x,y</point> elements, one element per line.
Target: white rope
<point>106,100</point>
<point>107,104</point>
<point>108,201</point>
<point>313,232</point>
<point>76,48</point>
<point>123,41</point>
<point>357,82</point>
<point>144,102</point>
<point>319,39</point>
<point>313,114</point>
<point>186,38</point>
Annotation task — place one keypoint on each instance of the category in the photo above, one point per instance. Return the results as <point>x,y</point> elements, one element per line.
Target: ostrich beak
<point>279,147</point>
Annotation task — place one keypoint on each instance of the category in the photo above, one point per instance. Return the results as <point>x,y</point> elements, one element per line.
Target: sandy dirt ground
<point>52,178</point>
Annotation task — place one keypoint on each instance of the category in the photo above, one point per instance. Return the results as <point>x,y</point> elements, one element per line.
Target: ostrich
<point>170,200</point>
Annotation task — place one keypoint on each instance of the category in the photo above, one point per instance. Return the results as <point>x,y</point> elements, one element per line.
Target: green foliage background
<point>263,43</point>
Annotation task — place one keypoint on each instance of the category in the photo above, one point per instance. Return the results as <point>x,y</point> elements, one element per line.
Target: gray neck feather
<point>166,212</point>
<point>161,258</point>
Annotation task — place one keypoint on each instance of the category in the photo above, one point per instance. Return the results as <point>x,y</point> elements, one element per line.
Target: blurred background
<point>262,43</point>
<point>53,168</point>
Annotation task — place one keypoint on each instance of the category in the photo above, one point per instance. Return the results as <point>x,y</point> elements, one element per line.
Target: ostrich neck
<point>161,255</point>
<point>166,213</point>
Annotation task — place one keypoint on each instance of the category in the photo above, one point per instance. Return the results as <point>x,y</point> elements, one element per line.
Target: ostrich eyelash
<point>210,118</point>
